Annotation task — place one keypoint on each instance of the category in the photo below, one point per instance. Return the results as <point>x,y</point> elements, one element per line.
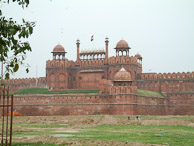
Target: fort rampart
<point>166,82</point>
<point>112,104</point>
<point>16,84</point>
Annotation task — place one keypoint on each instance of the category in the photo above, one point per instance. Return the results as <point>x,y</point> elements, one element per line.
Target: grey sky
<point>162,31</point>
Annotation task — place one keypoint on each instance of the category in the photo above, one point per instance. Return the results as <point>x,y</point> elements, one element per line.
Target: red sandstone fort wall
<point>166,82</point>
<point>154,82</point>
<point>114,104</point>
<point>16,84</point>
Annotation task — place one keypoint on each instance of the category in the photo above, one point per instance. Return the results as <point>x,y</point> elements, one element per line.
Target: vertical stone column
<point>78,43</point>
<point>106,57</point>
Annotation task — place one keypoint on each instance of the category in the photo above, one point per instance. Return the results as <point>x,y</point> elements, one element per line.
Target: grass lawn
<point>46,91</point>
<point>149,93</point>
<point>150,134</point>
<point>173,135</point>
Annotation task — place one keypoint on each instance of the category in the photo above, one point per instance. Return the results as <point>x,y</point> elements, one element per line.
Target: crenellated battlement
<point>123,60</point>
<point>93,62</point>
<point>111,60</point>
<point>21,81</point>
<point>155,76</point>
<point>16,84</point>
<point>60,63</point>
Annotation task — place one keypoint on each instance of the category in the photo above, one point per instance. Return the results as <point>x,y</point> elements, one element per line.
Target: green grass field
<point>172,135</point>
<point>149,93</point>
<point>46,91</point>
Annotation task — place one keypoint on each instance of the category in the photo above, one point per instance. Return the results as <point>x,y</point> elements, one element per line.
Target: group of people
<point>137,118</point>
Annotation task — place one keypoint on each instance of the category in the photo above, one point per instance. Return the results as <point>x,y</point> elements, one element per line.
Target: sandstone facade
<point>94,69</point>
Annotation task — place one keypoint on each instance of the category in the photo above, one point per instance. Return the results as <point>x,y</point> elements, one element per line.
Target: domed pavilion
<point>122,78</point>
<point>59,51</point>
<point>123,47</point>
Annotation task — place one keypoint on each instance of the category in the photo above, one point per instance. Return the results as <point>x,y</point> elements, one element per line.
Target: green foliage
<point>13,45</point>
<point>46,91</point>
<point>149,93</point>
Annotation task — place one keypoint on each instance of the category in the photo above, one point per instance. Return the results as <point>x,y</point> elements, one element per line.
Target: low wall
<point>95,104</point>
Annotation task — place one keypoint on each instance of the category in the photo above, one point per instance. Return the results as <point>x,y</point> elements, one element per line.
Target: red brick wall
<point>117,104</point>
<point>166,82</point>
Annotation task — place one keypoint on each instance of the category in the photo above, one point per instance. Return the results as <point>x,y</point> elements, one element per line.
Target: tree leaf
<point>23,20</point>
<point>5,54</point>
<point>11,64</point>
<point>15,42</point>
<point>16,67</point>
<point>30,30</point>
<point>27,70</point>
<point>7,75</point>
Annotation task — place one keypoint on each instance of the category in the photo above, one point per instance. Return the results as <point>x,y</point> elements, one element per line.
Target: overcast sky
<point>162,31</point>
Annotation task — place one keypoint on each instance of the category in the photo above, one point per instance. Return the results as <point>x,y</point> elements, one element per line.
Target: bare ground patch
<point>81,121</point>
